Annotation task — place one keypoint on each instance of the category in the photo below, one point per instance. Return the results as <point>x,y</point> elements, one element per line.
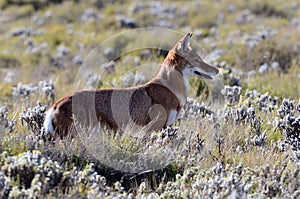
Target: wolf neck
<point>172,79</point>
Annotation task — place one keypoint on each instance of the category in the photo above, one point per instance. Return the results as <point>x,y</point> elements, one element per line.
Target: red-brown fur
<point>142,99</point>
<point>148,104</point>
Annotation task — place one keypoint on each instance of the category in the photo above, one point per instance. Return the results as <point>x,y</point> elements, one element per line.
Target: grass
<point>6,91</point>
<point>220,147</point>
<point>9,61</point>
<point>281,85</point>
<point>14,145</point>
<point>266,52</point>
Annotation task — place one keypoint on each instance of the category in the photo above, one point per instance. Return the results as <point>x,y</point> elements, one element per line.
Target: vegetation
<point>241,140</point>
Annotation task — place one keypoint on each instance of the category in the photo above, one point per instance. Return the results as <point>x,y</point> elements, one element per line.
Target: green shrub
<point>281,85</point>
<point>3,3</point>
<point>267,51</point>
<point>267,9</point>
<point>36,4</point>
<point>6,90</point>
<point>9,61</point>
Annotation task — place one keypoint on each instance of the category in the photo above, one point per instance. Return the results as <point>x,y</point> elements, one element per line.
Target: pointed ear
<point>183,45</point>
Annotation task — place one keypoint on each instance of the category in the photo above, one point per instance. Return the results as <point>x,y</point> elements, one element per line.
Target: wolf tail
<point>48,125</point>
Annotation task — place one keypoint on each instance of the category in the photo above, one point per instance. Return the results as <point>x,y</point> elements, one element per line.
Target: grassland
<point>227,144</point>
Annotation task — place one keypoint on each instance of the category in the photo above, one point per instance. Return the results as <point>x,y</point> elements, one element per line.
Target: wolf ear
<point>183,45</point>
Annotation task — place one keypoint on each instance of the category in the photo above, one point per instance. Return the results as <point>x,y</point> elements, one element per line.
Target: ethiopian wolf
<point>155,104</point>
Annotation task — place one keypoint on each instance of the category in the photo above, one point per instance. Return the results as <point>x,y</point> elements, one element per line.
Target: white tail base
<point>172,117</point>
<point>48,121</point>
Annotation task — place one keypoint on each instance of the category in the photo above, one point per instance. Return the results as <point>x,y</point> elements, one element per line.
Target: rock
<point>213,30</point>
<point>251,41</point>
<point>62,50</point>
<point>126,22</point>
<point>48,14</point>
<point>110,53</point>
<point>137,7</point>
<point>262,33</point>
<point>275,66</point>
<point>31,48</point>
<point>94,81</point>
<point>4,19</point>
<point>158,8</point>
<point>231,8</point>
<point>251,73</point>
<point>235,82</point>
<point>221,18</point>
<point>263,69</point>
<point>42,20</point>
<point>77,60</point>
<point>131,79</point>
<point>70,29</point>
<point>38,20</point>
<point>137,61</point>
<point>56,62</point>
<point>198,34</point>
<point>222,64</point>
<point>244,17</point>
<point>215,55</point>
<point>109,67</point>
<point>146,54</point>
<point>165,24</point>
<point>132,60</point>
<point>266,32</point>
<point>90,15</point>
<point>10,76</point>
<point>295,22</point>
<point>26,32</point>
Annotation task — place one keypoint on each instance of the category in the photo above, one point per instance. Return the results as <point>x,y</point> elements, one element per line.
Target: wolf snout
<point>207,72</point>
<point>216,71</point>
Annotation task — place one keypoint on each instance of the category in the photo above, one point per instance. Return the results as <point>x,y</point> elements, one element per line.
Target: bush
<point>36,4</point>
<point>9,61</point>
<point>267,51</point>
<point>282,85</point>
<point>268,10</point>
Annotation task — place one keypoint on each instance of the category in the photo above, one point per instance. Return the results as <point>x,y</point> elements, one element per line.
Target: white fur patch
<point>172,117</point>
<point>48,121</point>
<point>187,73</point>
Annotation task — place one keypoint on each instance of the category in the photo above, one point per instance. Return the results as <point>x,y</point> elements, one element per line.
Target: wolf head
<point>187,62</point>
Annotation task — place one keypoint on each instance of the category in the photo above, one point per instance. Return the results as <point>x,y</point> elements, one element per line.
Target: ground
<point>238,135</point>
